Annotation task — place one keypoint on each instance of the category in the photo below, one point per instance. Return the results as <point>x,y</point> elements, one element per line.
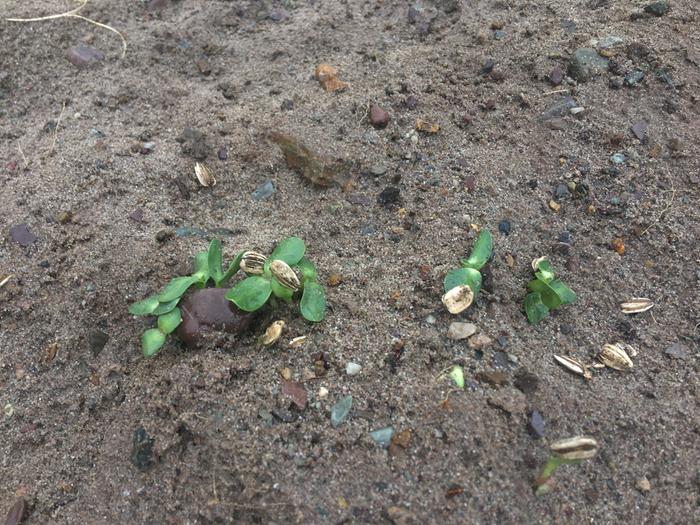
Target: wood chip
<point>427,127</point>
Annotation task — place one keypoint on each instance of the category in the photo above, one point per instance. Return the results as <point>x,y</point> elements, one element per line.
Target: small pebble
<point>340,410</point>
<point>389,196</point>
<point>504,227</point>
<point>84,56</point>
<point>382,436</point>
<point>657,8</point>
<point>556,75</point>
<point>352,369</point>
<point>618,158</point>
<point>643,485</point>
<point>142,449</point>
<point>633,78</point>
<point>639,129</point>
<point>676,351</point>
<point>264,191</point>
<point>322,392</point>
<point>459,330</point>
<point>479,341</point>
<point>535,425</point>
<point>22,236</point>
<point>378,117</point>
<point>222,154</point>
<point>561,191</point>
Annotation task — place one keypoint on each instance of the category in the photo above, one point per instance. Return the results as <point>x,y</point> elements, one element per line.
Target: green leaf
<point>170,321</point>
<point>308,270</point>
<point>313,302</point>
<point>280,291</point>
<point>144,307</point>
<point>457,375</point>
<point>251,293</point>
<point>214,264</point>
<point>164,308</point>
<point>548,295</point>
<point>546,272</point>
<point>481,253</point>
<point>176,288</point>
<point>151,341</point>
<point>535,309</point>
<point>201,268</point>
<point>232,268</point>
<point>460,276</point>
<point>566,295</point>
<point>290,250</point>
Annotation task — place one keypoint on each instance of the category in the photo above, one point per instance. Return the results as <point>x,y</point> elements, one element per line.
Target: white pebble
<point>352,369</point>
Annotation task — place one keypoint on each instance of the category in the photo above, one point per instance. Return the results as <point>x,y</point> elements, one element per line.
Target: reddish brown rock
<point>378,117</point>
<point>206,312</point>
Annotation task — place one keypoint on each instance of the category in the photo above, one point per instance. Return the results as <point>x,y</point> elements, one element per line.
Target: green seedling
<point>546,292</point>
<point>564,452</point>
<point>463,284</point>
<point>273,277</point>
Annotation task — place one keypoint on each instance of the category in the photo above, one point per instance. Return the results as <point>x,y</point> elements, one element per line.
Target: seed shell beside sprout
<point>575,448</point>
<point>253,263</point>
<point>285,275</point>
<point>458,299</point>
<point>204,174</point>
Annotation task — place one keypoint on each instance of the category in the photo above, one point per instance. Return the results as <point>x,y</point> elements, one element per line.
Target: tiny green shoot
<point>546,292</point>
<point>569,451</point>
<point>252,293</point>
<point>463,284</point>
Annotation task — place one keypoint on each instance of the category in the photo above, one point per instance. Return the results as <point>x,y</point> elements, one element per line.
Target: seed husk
<point>458,299</point>
<point>5,280</point>
<point>253,263</point>
<point>614,356</point>
<point>536,262</point>
<point>636,305</point>
<point>297,341</point>
<point>204,174</point>
<point>575,448</point>
<point>574,366</point>
<point>284,274</point>
<point>273,333</point>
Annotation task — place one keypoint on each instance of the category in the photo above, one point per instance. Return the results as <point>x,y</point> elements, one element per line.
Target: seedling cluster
<point>268,279</point>
<point>547,292</point>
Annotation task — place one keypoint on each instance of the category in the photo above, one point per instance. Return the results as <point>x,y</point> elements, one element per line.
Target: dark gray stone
<point>142,450</point>
<point>587,63</point>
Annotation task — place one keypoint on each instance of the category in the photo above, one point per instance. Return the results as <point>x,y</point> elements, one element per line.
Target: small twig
<point>668,207</point>
<point>58,123</point>
<point>566,90</point>
<point>73,14</point>
<point>24,158</point>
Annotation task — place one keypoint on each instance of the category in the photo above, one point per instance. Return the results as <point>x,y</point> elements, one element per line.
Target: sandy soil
<point>83,148</point>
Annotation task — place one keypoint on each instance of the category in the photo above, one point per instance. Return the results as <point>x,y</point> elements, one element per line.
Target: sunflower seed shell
<point>285,275</point>
<point>615,357</point>
<point>636,305</point>
<point>575,448</point>
<point>458,299</point>
<point>253,263</point>
<point>204,174</point>
<point>574,366</point>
